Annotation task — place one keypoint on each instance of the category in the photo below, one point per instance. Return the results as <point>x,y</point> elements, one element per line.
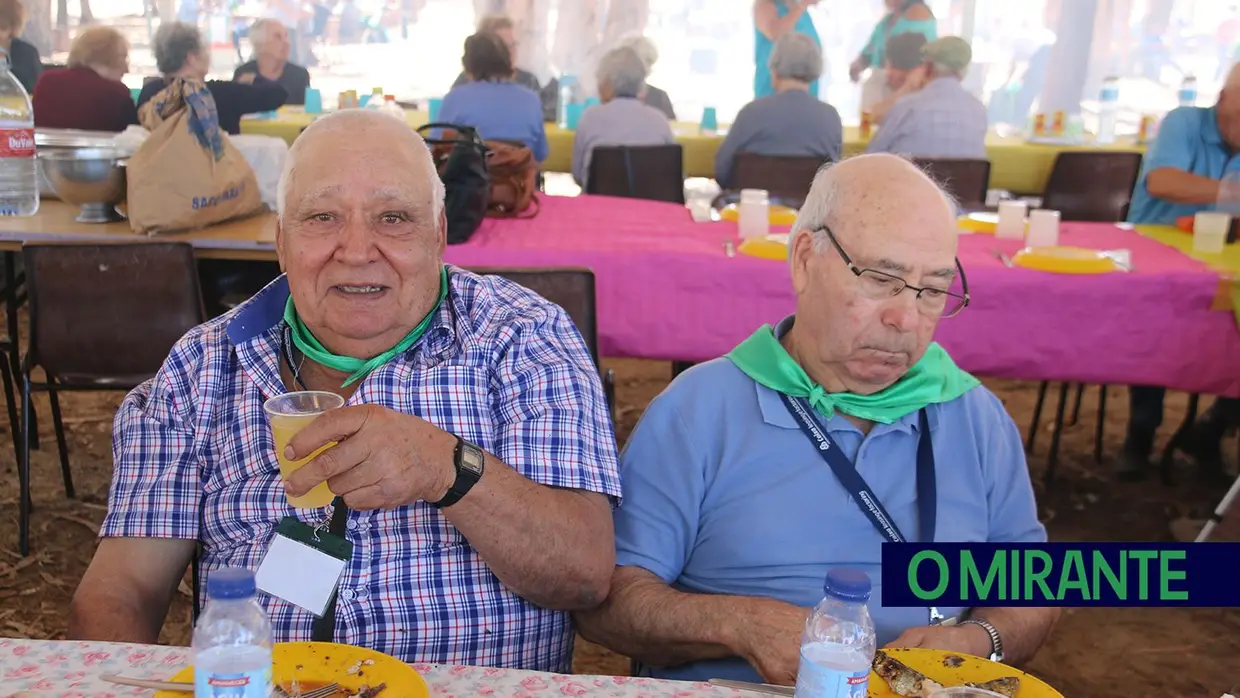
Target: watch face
<point>471,459</point>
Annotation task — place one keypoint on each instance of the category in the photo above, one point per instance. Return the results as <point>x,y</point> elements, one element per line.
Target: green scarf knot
<point>935,378</point>
<point>312,348</point>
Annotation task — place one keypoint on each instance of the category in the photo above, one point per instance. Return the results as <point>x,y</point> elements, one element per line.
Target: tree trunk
<point>62,14</point>
<point>167,10</point>
<point>39,26</point>
<point>1065,79</point>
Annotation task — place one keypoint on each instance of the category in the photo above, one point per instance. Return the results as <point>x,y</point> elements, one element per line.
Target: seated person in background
<point>622,118</point>
<point>649,54</point>
<point>180,53</point>
<point>903,74</point>
<point>88,94</point>
<point>731,518</point>
<point>941,120</point>
<point>23,57</point>
<point>475,452</point>
<point>789,122</point>
<point>491,102</point>
<point>503,27</point>
<point>271,50</point>
<point>1183,173</point>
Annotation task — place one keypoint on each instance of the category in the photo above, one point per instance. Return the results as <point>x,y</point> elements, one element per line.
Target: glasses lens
<point>878,285</point>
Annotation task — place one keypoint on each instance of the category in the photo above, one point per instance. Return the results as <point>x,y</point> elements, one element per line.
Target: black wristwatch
<point>469,461</point>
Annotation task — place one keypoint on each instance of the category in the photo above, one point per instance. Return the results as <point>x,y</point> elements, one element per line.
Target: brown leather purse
<point>514,180</point>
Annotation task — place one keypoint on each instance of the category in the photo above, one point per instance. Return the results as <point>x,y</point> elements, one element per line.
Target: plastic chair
<point>785,176</point>
<point>966,180</point>
<point>102,317</point>
<point>654,172</point>
<point>1092,185</point>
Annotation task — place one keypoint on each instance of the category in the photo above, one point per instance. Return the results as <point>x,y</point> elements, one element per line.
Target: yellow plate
<point>320,663</point>
<point>770,247</point>
<point>778,215</point>
<point>1064,260</point>
<point>971,670</point>
<point>978,222</point>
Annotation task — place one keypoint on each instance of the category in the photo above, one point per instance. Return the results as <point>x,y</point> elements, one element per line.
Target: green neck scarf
<point>933,379</point>
<point>357,369</point>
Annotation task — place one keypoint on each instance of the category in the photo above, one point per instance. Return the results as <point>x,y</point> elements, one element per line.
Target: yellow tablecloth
<point>1226,263</point>
<point>1016,166</point>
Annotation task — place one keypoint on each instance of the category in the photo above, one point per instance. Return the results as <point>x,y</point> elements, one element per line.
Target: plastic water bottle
<point>568,95</point>
<point>1108,105</point>
<point>391,107</point>
<point>837,648</point>
<point>19,170</point>
<point>232,641</point>
<point>1188,92</point>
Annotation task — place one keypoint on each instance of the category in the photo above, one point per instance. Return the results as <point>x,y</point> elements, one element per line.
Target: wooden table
<point>247,239</point>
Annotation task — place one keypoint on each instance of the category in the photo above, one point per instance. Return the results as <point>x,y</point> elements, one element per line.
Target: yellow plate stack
<point>1064,260</point>
<point>778,215</point>
<point>770,247</point>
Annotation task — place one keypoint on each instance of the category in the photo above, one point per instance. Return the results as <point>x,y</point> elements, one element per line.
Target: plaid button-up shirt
<point>499,366</point>
<point>941,120</point>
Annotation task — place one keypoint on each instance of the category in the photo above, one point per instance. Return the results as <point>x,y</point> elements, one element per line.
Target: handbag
<point>461,160</point>
<point>514,179</point>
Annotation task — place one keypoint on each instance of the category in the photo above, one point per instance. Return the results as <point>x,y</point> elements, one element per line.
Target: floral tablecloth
<point>72,670</point>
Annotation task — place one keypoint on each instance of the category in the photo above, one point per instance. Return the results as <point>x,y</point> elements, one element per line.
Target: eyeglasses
<point>879,285</point>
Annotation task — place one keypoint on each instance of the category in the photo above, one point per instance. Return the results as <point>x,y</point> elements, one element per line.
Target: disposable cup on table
<point>1011,225</point>
<point>135,92</point>
<point>710,120</point>
<point>572,115</point>
<point>314,101</point>
<point>1043,228</point>
<point>432,105</point>
<point>288,414</point>
<point>1210,231</point>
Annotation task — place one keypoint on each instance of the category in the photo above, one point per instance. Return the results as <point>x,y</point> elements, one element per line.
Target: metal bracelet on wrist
<point>996,642</point>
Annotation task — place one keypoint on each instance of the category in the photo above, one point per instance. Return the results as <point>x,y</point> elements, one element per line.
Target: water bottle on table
<point>1108,105</point>
<point>19,170</point>
<point>838,645</point>
<point>1188,92</point>
<point>232,641</point>
<point>570,102</point>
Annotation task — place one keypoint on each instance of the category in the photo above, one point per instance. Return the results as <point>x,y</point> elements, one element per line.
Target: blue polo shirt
<point>724,494</point>
<point>1187,140</point>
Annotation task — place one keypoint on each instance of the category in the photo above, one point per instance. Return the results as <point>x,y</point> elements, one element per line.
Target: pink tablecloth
<point>72,670</point>
<point>667,290</point>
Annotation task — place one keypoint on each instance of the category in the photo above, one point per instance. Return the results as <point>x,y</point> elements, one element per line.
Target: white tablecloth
<point>72,670</point>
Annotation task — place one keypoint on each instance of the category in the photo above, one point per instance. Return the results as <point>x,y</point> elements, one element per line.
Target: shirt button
<point>347,594</point>
<point>352,525</point>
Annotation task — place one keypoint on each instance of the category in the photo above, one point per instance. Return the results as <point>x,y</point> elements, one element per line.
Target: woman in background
<point>88,94</point>
<point>491,102</point>
<point>903,16</point>
<point>23,57</point>
<point>649,53</point>
<point>773,19</point>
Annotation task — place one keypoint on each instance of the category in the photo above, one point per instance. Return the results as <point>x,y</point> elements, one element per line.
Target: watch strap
<point>996,642</point>
<point>465,478</point>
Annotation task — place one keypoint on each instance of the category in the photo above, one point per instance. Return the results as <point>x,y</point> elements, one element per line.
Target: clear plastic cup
<point>1210,231</point>
<point>965,692</point>
<point>288,414</point>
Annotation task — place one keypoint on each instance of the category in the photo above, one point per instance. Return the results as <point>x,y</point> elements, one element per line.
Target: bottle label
<point>243,684</point>
<point>817,681</point>
<point>17,143</point>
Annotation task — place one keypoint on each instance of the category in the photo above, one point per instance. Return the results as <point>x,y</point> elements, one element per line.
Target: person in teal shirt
<point>772,19</point>
<point>903,16</point>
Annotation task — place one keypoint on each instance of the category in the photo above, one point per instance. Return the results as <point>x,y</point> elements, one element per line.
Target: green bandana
<point>933,379</point>
<point>357,369</point>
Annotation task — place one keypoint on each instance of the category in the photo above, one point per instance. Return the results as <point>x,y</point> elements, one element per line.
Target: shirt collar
<point>775,412</point>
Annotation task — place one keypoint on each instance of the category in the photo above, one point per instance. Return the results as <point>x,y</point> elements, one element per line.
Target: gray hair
<point>174,43</point>
<point>260,31</point>
<point>624,70</point>
<point>645,48</point>
<point>348,122</point>
<point>494,22</point>
<point>796,57</point>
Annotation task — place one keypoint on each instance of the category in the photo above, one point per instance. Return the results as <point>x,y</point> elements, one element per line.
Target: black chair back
<point>786,177</point>
<point>966,180</point>
<point>1092,185</point>
<point>654,172</point>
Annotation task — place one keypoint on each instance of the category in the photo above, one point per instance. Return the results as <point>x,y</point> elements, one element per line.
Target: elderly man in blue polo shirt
<point>1183,173</point>
<point>732,517</point>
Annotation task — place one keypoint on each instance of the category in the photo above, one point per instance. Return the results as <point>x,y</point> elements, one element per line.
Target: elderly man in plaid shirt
<point>447,565</point>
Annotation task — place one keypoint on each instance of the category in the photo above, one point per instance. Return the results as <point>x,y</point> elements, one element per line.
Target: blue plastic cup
<point>135,92</point>
<point>432,105</point>
<point>593,102</point>
<point>314,101</point>
<point>710,120</point>
<point>572,114</point>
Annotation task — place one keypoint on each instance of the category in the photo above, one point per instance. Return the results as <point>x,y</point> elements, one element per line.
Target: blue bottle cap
<point>230,583</point>
<point>848,584</point>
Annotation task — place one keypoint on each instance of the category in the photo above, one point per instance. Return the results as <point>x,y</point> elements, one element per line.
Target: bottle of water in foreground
<point>837,648</point>
<point>19,171</point>
<point>232,641</point>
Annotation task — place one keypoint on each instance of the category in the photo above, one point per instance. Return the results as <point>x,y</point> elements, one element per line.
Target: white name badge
<point>304,565</point>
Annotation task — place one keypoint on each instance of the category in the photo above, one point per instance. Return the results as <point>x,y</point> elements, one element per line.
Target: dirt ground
<point>1094,653</point>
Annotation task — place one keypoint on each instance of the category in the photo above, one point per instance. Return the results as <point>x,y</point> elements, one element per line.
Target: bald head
<point>389,139</point>
<point>1228,108</point>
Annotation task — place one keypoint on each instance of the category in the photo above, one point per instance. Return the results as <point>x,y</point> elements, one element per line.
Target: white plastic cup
<point>1011,225</point>
<point>1043,228</point>
<point>1210,231</point>
<point>755,213</point>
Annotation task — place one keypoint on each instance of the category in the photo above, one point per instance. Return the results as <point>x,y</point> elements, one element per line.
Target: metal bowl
<point>93,178</point>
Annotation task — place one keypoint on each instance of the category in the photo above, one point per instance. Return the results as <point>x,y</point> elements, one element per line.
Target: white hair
<point>645,48</point>
<point>260,31</point>
<point>346,124</point>
<point>797,57</point>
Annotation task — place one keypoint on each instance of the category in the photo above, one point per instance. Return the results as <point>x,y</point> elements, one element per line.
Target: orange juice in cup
<point>289,414</point>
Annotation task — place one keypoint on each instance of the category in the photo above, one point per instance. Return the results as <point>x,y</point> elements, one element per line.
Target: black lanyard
<point>867,501</point>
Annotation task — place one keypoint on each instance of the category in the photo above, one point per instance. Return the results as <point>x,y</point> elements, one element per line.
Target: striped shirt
<point>941,120</point>
<point>499,366</point>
